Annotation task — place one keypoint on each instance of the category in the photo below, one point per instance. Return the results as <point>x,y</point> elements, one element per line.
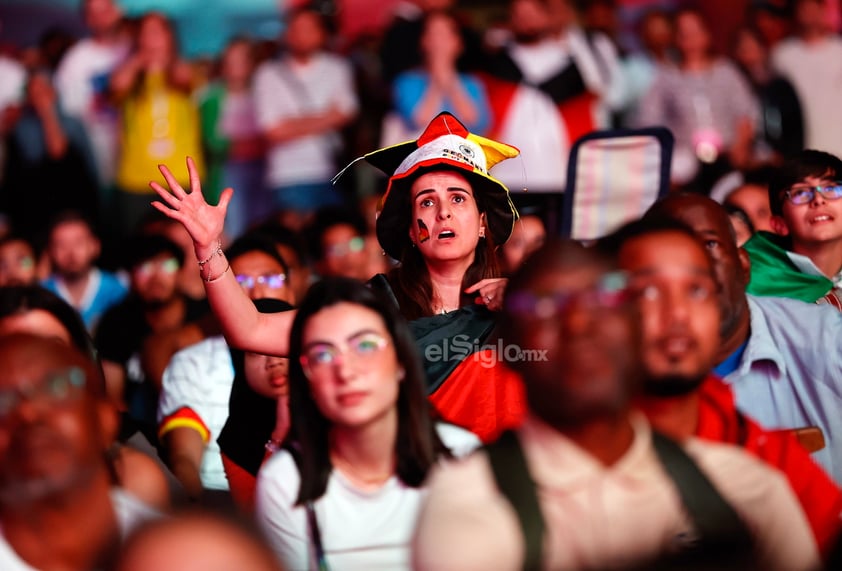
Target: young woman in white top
<point>345,491</point>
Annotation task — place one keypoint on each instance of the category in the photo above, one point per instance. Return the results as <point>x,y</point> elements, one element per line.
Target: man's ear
<point>779,225</point>
<point>745,265</point>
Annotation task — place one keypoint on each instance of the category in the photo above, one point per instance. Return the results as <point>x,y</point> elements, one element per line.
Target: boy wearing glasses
<point>804,260</point>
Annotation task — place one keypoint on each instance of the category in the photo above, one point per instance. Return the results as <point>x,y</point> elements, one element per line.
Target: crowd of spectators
<point>316,349</point>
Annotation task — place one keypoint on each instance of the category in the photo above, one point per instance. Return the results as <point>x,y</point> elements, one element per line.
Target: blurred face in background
<point>811,16</point>
<point>305,34</point>
<point>17,263</point>
<point>237,63</point>
<point>343,253</point>
<point>692,37</point>
<point>155,39</point>
<point>261,276</point>
<point>441,38</point>
<point>73,249</point>
<point>753,199</point>
<point>267,375</point>
<point>101,16</point>
<point>528,235</point>
<point>530,21</point>
<point>156,280</point>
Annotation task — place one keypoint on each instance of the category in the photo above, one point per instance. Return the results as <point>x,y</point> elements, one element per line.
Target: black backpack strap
<point>720,528</point>
<point>514,481</point>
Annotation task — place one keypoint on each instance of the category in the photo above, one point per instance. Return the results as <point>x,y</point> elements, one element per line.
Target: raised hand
<point>202,221</point>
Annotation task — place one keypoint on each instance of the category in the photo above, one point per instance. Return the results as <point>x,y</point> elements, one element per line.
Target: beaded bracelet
<point>210,280</point>
<point>217,252</point>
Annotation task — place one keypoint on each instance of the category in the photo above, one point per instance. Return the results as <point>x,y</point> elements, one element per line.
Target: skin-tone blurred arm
<point>43,100</point>
<point>115,382</point>
<point>243,325</point>
<point>297,127</point>
<point>185,449</point>
<point>143,477</point>
<point>740,152</point>
<point>123,78</point>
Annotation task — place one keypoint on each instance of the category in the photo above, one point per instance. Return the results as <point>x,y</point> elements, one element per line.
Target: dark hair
<point>15,237</point>
<point>654,223</point>
<point>328,217</point>
<point>68,216</point>
<point>417,445</point>
<point>251,416</point>
<point>320,9</point>
<point>142,248</point>
<point>795,169</point>
<point>693,11</point>
<point>17,300</point>
<point>284,236</point>
<point>255,242</point>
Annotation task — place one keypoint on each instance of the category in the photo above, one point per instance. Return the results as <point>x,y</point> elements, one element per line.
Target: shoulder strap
<point>316,537</point>
<point>514,481</point>
<point>719,526</point>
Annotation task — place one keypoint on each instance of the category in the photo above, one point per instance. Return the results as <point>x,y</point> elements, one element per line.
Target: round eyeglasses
<point>806,194</point>
<point>272,281</point>
<point>320,357</point>
<point>55,388</point>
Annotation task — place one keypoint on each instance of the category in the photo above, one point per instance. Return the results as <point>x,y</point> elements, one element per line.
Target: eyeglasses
<point>56,388</point>
<point>806,194</point>
<point>352,246</point>
<point>272,281</point>
<point>610,292</point>
<point>320,357</point>
<point>168,266</point>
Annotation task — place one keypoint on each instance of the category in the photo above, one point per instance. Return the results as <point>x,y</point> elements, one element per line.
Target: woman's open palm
<point>202,221</point>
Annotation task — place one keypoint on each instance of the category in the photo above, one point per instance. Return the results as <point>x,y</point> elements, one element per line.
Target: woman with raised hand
<point>442,217</point>
<point>345,491</point>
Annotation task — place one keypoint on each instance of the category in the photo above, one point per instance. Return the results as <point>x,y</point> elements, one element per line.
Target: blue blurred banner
<point>204,26</point>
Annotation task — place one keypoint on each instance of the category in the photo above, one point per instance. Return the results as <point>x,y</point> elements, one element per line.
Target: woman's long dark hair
<point>417,445</point>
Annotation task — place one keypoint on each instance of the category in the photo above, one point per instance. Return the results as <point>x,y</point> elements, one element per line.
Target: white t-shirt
<point>82,81</point>
<point>12,81</point>
<point>198,382</point>
<point>815,70</point>
<point>284,90</point>
<point>366,530</point>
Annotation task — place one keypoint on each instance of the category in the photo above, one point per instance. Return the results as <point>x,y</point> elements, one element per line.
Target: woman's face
<point>155,37</point>
<point>446,221</point>
<point>350,360</point>
<point>691,35</point>
<point>441,36</point>
<point>748,50</point>
<point>237,63</point>
<point>267,375</point>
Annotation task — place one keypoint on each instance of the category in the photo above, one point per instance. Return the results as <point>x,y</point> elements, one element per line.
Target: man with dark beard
<point>595,476</point>
<point>153,307</point>
<point>672,279</point>
<point>73,249</point>
<point>780,356</point>
<point>58,509</point>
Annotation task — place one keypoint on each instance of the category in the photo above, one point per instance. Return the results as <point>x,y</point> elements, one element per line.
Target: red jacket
<point>820,497</point>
